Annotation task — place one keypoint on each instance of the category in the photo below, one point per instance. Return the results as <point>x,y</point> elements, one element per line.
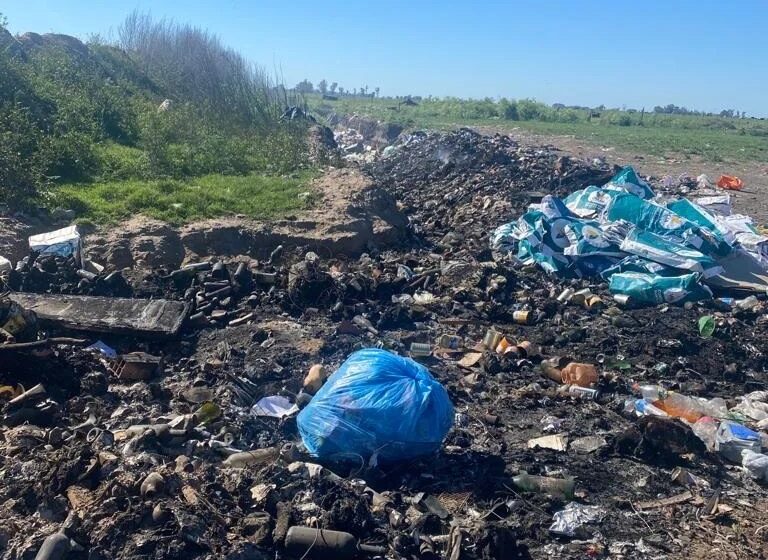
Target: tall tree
<point>323,86</point>
<point>334,85</point>
<point>305,86</point>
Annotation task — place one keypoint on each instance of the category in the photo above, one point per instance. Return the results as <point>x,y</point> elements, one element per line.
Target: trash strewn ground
<point>153,445</point>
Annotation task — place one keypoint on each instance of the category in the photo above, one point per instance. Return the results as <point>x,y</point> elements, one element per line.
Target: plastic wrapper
<point>715,238</point>
<point>755,464</point>
<point>649,217</point>
<point>654,290</point>
<point>627,179</point>
<point>718,205</point>
<point>589,202</point>
<point>639,264</point>
<point>656,248</point>
<point>568,521</point>
<point>377,405</point>
<point>752,409</point>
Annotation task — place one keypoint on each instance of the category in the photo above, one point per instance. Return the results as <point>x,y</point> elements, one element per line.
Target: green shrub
<point>24,152</point>
<point>118,162</point>
<point>508,110</point>
<point>529,110</point>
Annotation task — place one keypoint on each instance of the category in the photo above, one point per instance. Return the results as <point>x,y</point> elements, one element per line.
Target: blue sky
<point>704,54</point>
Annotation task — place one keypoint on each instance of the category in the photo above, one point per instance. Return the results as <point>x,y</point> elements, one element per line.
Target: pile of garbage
<point>456,187</point>
<point>650,251</point>
<point>56,264</point>
<point>421,401</point>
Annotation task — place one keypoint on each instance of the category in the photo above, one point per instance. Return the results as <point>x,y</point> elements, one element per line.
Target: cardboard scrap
<point>558,442</point>
<point>470,359</point>
<point>663,502</point>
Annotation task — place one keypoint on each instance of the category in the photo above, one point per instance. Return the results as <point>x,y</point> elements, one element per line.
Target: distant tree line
<point>335,90</point>
<point>675,110</point>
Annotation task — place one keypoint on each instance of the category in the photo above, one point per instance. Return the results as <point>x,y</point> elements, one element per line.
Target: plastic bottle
<point>324,544</point>
<point>552,486</point>
<point>680,406</point>
<point>652,393</point>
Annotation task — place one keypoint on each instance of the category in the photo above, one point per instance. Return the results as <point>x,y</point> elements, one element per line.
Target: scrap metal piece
<point>137,366</point>
<point>105,314</point>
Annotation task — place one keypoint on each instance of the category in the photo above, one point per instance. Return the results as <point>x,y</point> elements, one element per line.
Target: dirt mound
<point>349,215</point>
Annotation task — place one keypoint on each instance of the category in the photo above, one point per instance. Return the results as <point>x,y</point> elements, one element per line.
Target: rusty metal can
<point>593,302</point>
<point>521,317</point>
<point>528,348</point>
<point>491,339</point>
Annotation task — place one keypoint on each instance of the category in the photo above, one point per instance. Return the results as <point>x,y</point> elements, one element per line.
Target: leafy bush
<point>529,110</point>
<point>24,151</point>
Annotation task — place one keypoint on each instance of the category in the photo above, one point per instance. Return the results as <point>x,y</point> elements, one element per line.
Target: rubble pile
<point>457,187</point>
<point>305,425</point>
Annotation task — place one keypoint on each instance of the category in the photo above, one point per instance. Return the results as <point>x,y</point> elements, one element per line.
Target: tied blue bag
<point>377,403</point>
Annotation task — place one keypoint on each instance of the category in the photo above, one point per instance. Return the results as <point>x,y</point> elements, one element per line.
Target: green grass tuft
<point>181,201</point>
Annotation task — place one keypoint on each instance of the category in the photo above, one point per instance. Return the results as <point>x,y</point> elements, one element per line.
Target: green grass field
<point>711,138</point>
<point>181,201</point>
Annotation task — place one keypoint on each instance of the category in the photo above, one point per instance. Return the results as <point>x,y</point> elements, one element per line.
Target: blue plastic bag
<point>377,403</point>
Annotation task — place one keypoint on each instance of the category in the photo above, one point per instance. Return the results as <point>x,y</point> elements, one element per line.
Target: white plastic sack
<point>63,242</point>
